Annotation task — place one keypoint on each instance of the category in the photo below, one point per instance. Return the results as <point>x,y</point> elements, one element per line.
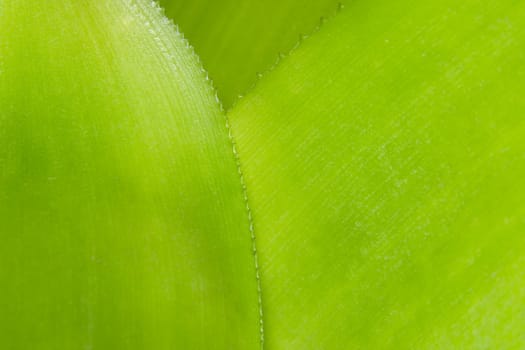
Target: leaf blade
<point>122,219</point>
<point>384,166</point>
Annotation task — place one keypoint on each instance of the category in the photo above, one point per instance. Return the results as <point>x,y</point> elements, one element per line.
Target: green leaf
<point>378,170</point>
<point>385,165</point>
<point>238,39</point>
<point>122,218</point>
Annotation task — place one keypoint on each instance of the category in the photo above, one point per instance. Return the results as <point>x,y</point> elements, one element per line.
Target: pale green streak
<point>122,219</point>
<point>236,40</point>
<point>385,166</point>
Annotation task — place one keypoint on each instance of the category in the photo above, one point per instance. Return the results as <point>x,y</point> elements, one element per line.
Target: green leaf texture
<point>122,218</point>
<point>236,40</point>
<point>385,166</point>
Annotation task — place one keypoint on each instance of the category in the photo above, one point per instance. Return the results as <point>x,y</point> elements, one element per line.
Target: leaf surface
<point>122,218</point>
<point>385,164</point>
<point>238,39</point>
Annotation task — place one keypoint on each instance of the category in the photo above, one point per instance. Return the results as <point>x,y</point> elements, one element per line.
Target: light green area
<point>383,160</point>
<point>236,40</point>
<point>122,218</point>
<point>385,166</point>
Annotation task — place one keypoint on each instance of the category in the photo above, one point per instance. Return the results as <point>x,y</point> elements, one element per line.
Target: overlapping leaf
<point>385,164</point>
<point>122,220</point>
